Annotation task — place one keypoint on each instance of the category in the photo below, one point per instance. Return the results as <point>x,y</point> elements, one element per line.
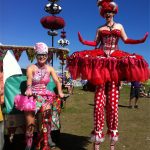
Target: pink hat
<point>41,48</point>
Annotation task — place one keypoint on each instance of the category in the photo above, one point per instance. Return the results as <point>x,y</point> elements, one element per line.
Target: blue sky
<point>20,24</point>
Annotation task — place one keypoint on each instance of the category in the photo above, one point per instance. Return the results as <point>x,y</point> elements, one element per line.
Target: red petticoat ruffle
<point>95,66</point>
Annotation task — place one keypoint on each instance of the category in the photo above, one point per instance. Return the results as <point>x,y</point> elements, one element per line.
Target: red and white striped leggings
<point>106,97</point>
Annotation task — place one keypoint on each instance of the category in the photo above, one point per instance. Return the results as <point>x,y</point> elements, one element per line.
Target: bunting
<point>31,55</point>
<point>60,53</point>
<point>2,54</point>
<point>17,53</point>
<point>50,56</point>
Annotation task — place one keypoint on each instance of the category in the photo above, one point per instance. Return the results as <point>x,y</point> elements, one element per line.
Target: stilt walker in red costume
<point>105,67</point>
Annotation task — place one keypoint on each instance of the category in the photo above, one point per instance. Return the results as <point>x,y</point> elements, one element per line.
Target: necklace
<point>40,67</point>
<point>110,27</point>
<point>41,71</point>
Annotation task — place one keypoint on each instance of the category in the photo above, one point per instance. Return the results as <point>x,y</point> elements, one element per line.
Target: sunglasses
<point>109,11</point>
<point>41,55</point>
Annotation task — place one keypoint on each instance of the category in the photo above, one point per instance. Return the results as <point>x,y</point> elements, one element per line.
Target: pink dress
<point>43,97</point>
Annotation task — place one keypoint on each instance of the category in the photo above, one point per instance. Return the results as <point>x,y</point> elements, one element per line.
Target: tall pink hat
<point>41,48</point>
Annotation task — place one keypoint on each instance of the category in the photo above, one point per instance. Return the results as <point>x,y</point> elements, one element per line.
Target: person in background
<point>37,97</point>
<point>68,83</point>
<point>105,66</point>
<point>134,93</point>
<point>143,91</point>
<point>1,103</point>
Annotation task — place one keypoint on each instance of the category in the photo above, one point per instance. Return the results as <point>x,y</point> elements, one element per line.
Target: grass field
<point>77,122</point>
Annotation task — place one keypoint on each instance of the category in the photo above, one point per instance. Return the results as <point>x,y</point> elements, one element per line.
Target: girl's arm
<point>29,81</point>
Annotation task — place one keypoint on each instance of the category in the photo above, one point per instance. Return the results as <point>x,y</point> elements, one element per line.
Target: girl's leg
<point>99,103</point>
<point>30,125</point>
<point>112,93</point>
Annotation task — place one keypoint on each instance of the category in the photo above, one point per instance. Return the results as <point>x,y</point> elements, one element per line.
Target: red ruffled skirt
<point>95,66</point>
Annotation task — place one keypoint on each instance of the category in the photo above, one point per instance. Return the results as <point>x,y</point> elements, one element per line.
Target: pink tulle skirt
<point>93,65</point>
<point>26,103</point>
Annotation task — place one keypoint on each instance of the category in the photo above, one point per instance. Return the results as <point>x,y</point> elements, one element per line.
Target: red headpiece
<point>107,5</point>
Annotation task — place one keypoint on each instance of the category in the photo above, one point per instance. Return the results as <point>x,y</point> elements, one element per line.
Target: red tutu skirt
<point>95,66</point>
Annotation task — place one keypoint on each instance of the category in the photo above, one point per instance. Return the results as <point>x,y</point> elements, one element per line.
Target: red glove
<point>90,43</point>
<point>131,41</point>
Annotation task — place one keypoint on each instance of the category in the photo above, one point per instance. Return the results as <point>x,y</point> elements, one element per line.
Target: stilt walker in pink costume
<point>38,98</point>
<point>105,67</point>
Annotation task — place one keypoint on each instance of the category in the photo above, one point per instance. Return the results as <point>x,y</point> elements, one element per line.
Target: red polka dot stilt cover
<point>110,103</point>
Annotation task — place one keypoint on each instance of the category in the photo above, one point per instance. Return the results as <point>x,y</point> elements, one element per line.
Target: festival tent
<point>10,66</point>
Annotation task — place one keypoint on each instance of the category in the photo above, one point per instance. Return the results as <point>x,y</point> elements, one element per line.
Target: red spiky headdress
<point>107,5</point>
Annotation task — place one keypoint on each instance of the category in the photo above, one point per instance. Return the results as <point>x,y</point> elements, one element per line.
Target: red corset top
<point>109,40</point>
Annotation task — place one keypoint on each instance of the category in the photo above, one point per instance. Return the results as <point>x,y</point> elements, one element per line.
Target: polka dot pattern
<point>106,97</point>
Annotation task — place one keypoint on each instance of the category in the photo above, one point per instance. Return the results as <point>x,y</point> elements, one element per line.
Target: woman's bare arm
<point>29,80</point>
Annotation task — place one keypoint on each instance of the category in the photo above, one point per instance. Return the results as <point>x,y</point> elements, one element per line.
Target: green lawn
<point>77,122</point>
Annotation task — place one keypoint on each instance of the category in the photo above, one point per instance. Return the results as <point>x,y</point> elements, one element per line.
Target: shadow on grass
<point>18,142</point>
<point>91,104</point>
<point>65,142</point>
<point>72,142</point>
<point>125,106</point>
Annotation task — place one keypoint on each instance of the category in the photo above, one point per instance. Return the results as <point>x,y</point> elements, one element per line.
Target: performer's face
<point>108,15</point>
<point>41,58</point>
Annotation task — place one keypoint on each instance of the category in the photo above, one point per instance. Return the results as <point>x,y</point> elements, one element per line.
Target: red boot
<point>45,138</point>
